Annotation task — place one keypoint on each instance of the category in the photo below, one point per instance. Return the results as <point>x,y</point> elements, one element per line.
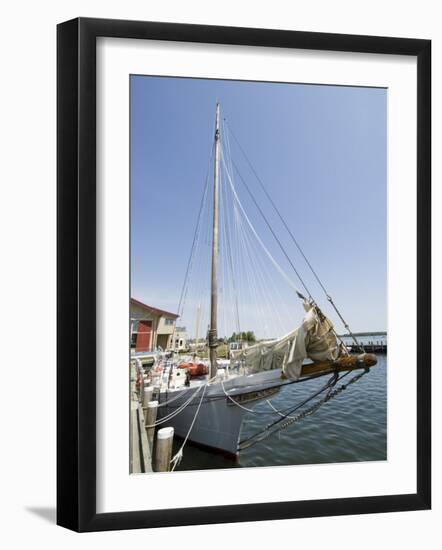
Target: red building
<point>150,327</point>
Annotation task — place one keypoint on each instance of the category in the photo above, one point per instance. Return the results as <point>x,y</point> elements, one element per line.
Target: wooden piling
<point>151,417</point>
<point>135,462</point>
<point>163,449</point>
<point>141,388</point>
<point>147,397</point>
<point>145,449</point>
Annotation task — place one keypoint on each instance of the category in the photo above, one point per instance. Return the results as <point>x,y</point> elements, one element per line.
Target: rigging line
<point>200,284</point>
<point>191,266</point>
<point>298,246</point>
<point>222,288</point>
<point>226,230</point>
<point>271,258</point>
<point>168,401</point>
<point>231,219</point>
<point>328,385</point>
<point>289,410</point>
<point>267,282</point>
<point>237,404</point>
<point>241,254</point>
<point>285,413</point>
<point>256,287</point>
<point>272,230</point>
<point>227,248</point>
<point>177,410</point>
<point>196,234</point>
<point>256,273</point>
<point>254,411</point>
<point>262,300</point>
<point>259,269</point>
<point>333,330</point>
<point>331,394</point>
<point>179,455</point>
<point>232,306</point>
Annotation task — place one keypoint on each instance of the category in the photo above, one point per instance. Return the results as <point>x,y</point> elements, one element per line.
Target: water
<point>351,427</point>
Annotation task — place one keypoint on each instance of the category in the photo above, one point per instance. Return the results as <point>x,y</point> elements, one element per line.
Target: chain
<point>331,394</point>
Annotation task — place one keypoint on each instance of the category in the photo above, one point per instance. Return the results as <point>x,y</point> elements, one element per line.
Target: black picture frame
<point>76,274</point>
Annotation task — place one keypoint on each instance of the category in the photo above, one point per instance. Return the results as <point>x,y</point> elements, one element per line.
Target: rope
<point>192,250</point>
<point>273,232</point>
<point>259,269</point>
<point>288,258</point>
<point>285,383</point>
<point>228,242</point>
<point>176,412</point>
<point>173,399</point>
<point>272,259</point>
<point>331,394</point>
<point>298,246</point>
<point>239,404</point>
<point>179,455</point>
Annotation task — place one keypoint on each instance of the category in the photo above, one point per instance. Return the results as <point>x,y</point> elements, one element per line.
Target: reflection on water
<point>351,427</point>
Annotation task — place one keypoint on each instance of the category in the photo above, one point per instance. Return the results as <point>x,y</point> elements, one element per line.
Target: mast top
<point>217,111</point>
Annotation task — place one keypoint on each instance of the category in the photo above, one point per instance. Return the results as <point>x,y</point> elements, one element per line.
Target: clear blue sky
<point>321,152</point>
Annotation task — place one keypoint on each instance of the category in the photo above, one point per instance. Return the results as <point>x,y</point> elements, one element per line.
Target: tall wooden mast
<point>213,330</point>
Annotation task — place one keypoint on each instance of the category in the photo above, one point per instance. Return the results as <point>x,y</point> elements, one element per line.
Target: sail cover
<point>314,339</point>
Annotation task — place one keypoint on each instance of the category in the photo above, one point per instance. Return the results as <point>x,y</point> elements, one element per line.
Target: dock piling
<point>163,449</point>
<point>147,397</point>
<point>141,388</point>
<point>151,417</point>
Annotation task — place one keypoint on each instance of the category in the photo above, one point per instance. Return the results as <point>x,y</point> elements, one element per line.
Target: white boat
<point>209,410</point>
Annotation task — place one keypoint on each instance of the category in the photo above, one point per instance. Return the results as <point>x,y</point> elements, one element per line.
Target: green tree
<point>248,336</point>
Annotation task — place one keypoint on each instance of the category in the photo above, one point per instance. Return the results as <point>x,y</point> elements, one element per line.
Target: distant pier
<point>369,348</point>
<point>372,342</point>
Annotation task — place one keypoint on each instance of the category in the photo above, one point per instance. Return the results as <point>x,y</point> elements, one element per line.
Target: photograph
<point>258,274</point>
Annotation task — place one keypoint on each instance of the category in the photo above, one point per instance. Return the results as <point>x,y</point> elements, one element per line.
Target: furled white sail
<point>314,339</point>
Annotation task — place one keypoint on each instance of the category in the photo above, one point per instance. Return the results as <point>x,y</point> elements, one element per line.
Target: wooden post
<point>163,449</point>
<point>145,450</point>
<point>151,417</point>
<point>147,397</point>
<point>135,462</point>
<point>141,388</point>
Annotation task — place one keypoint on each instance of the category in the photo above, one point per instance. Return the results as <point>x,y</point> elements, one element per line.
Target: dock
<point>150,449</point>
<point>140,456</point>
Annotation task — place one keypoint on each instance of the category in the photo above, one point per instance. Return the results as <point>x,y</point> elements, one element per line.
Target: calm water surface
<point>351,427</point>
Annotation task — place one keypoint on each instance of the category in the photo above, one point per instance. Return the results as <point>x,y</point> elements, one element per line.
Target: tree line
<point>248,336</point>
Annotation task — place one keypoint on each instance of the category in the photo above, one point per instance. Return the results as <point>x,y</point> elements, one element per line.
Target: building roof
<point>153,309</point>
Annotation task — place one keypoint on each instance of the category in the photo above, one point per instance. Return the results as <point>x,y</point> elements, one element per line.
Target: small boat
<point>207,407</point>
<point>195,369</point>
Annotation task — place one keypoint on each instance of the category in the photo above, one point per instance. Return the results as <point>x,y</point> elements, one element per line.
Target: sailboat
<point>209,410</point>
